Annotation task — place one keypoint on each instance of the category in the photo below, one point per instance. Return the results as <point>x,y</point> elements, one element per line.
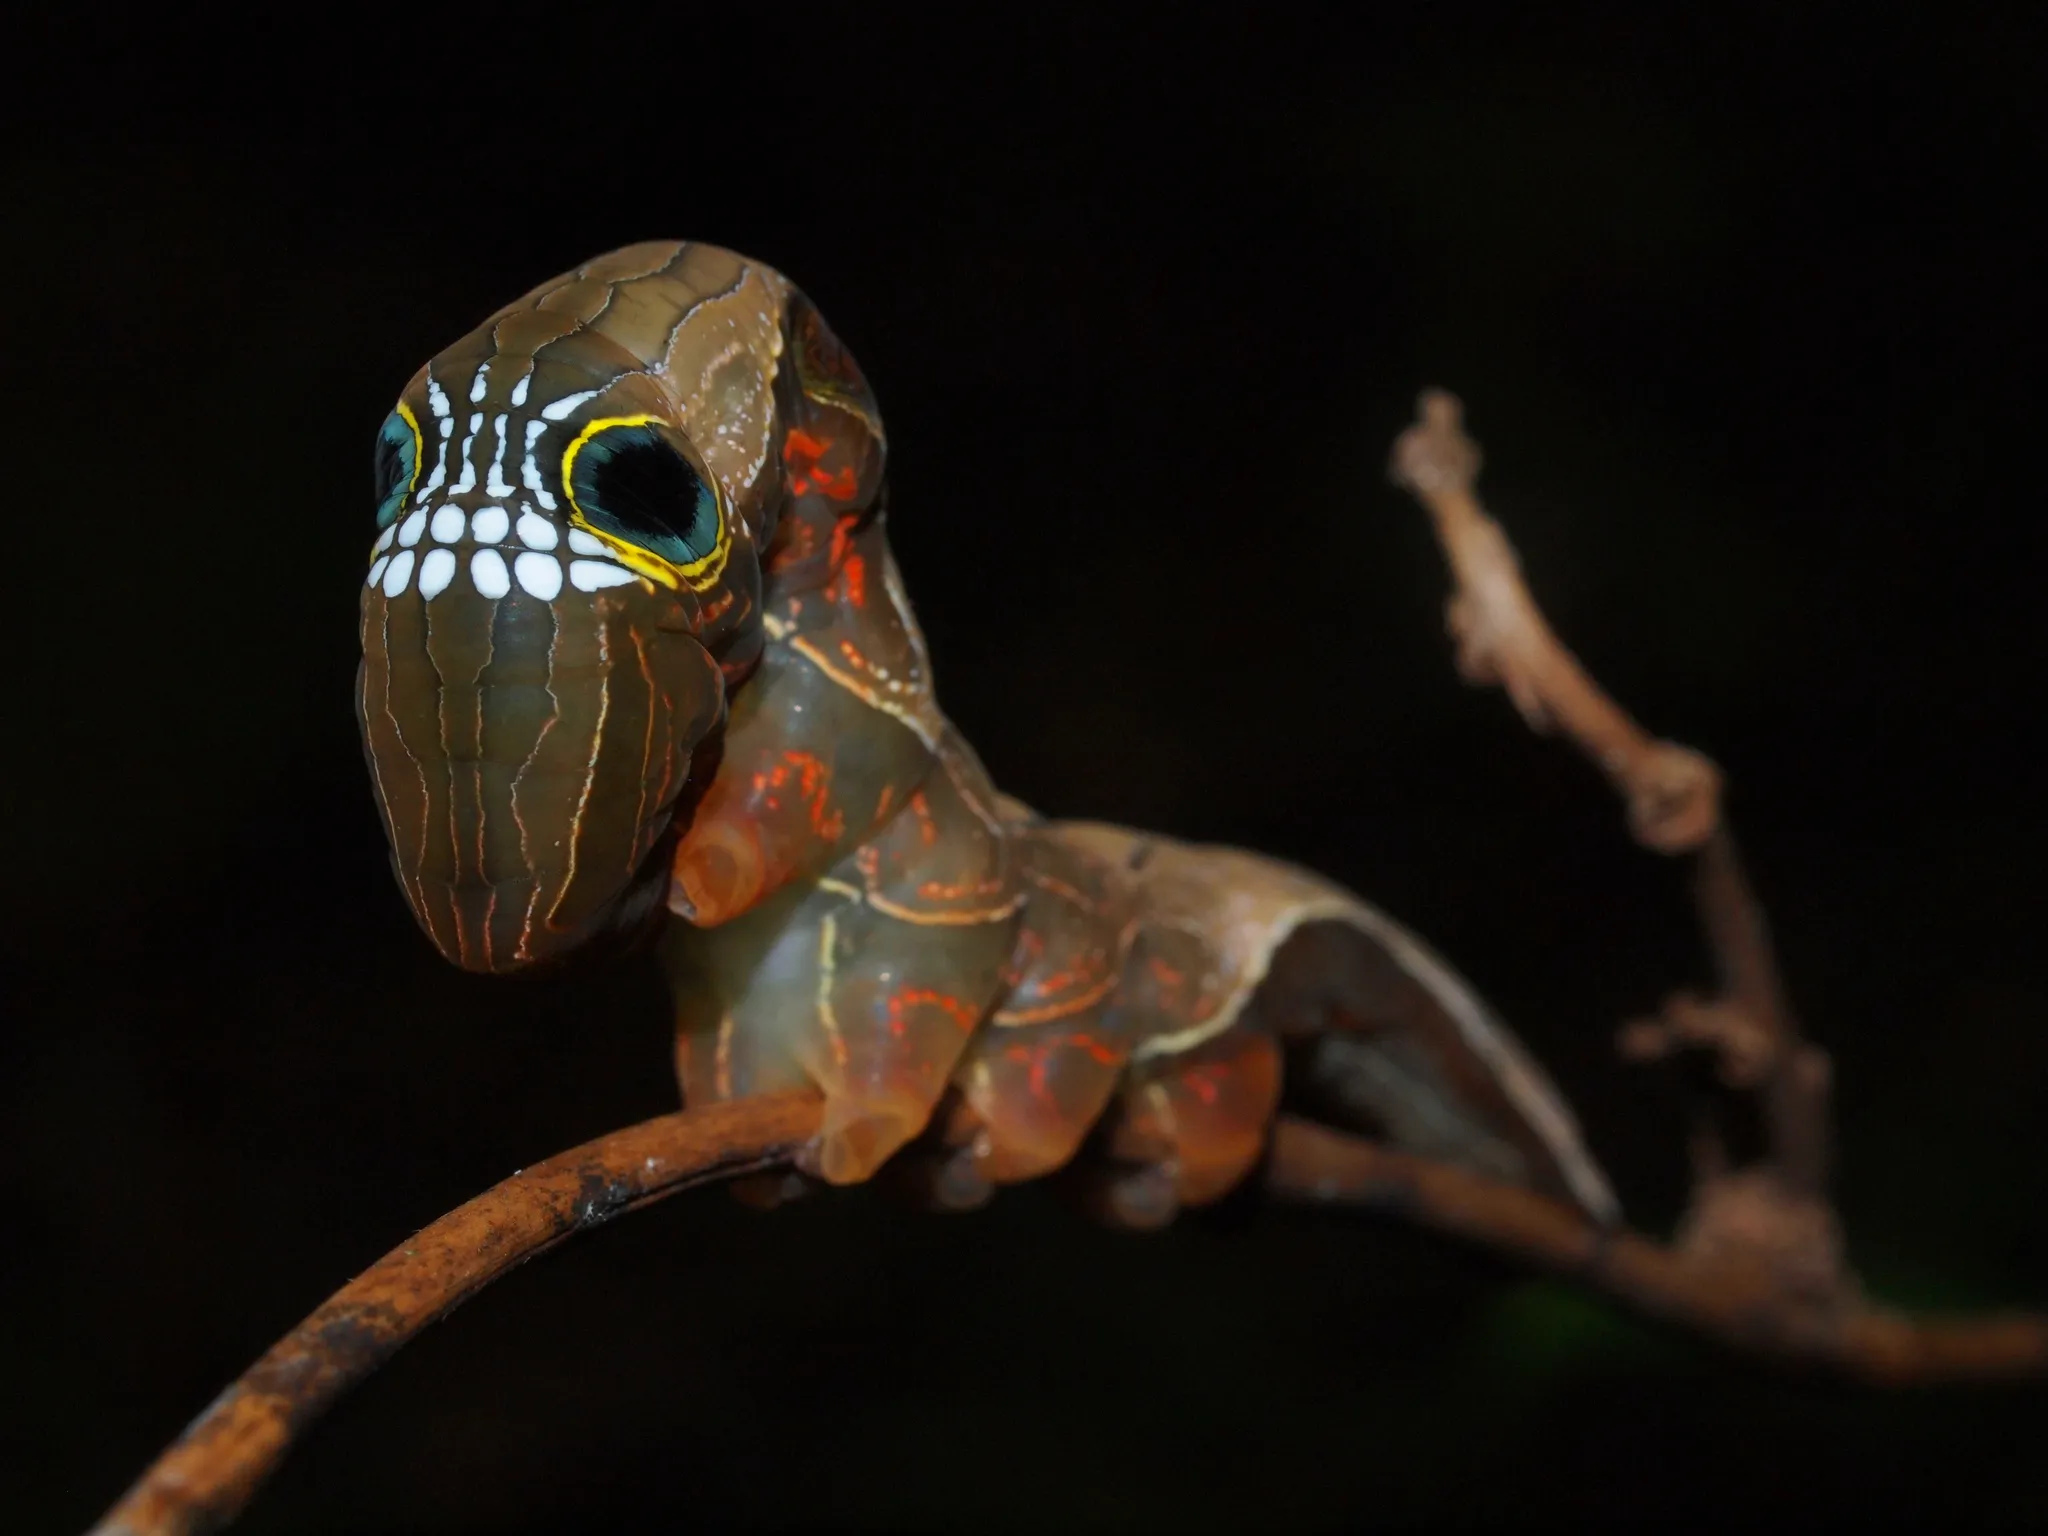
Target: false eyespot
<point>398,463</point>
<point>633,484</point>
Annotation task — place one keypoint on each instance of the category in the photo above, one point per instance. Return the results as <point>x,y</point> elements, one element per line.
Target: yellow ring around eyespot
<point>698,574</point>
<point>419,446</point>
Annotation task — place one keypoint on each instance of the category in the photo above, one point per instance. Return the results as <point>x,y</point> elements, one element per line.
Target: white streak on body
<point>410,530</point>
<point>384,539</point>
<point>556,410</point>
<point>447,524</point>
<point>519,389</point>
<point>439,477</point>
<point>496,484</point>
<point>587,544</point>
<point>468,481</point>
<point>480,383</point>
<point>377,570</point>
<point>487,570</point>
<point>589,575</point>
<point>399,574</point>
<point>530,471</point>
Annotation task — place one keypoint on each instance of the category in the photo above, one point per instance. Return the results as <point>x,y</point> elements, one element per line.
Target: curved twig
<point>1733,1298</point>
<point>1777,1210</point>
<point>205,1477</point>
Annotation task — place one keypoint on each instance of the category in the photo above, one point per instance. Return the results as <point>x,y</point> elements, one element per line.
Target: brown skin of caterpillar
<point>527,758</point>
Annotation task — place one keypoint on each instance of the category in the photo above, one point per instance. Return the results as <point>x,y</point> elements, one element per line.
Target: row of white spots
<point>489,526</point>
<point>538,575</point>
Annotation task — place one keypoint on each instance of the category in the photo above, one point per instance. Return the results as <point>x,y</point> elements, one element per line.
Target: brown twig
<point>209,1473</point>
<point>1733,1296</point>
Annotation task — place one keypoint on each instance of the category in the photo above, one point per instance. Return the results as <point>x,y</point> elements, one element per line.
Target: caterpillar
<point>639,668</point>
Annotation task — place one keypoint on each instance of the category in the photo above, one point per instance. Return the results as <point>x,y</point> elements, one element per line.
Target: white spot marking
<point>384,539</point>
<point>436,571</point>
<point>586,544</point>
<point>399,574</point>
<point>439,477</point>
<point>479,384</point>
<point>519,389</point>
<point>437,400</point>
<point>489,525</point>
<point>536,532</point>
<point>447,524</point>
<point>410,530</point>
<point>541,576</point>
<point>487,570</point>
<point>556,410</point>
<point>497,484</point>
<point>377,570</point>
<point>589,575</point>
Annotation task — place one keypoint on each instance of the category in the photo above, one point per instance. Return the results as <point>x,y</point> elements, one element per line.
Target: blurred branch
<point>1770,1215</point>
<point>1737,1296</point>
<point>202,1481</point>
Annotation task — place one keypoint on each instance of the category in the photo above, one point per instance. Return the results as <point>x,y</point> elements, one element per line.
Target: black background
<point>1744,317</point>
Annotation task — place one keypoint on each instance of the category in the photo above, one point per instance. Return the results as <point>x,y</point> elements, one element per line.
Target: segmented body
<point>742,726</point>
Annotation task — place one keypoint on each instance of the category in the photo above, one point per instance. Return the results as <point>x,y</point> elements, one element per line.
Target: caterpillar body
<point>638,663</point>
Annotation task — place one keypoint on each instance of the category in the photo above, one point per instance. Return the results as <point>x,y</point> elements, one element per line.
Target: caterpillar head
<point>556,579</point>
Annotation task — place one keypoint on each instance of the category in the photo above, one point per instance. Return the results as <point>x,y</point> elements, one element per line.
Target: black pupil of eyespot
<point>632,483</point>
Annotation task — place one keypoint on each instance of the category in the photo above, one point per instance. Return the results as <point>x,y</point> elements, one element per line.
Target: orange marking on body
<point>884,800</point>
<point>795,540</point>
<point>801,454</point>
<point>939,890</point>
<point>801,451</point>
<point>1101,1051</point>
<point>905,998</point>
<point>1029,951</point>
<point>1039,1068</point>
<point>921,808</point>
